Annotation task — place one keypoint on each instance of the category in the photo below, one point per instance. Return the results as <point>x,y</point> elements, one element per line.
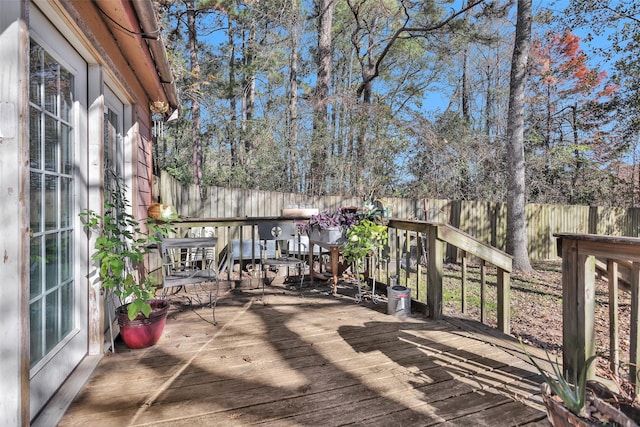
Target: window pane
<point>51,202</point>
<point>66,209</point>
<point>51,266</point>
<point>66,251</point>
<point>35,68</point>
<point>36,208</point>
<point>66,159</point>
<point>51,69</point>
<point>36,266</point>
<point>51,144</point>
<point>35,139</point>
<point>35,316</point>
<point>51,321</point>
<point>66,85</point>
<point>66,322</point>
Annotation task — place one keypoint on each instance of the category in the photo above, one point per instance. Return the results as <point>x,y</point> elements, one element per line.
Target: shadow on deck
<point>312,361</point>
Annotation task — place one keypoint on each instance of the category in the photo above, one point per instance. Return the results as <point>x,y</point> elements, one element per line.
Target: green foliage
<point>120,249</point>
<point>363,239</point>
<point>573,394</point>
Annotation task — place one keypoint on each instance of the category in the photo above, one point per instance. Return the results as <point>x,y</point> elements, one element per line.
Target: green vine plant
<point>364,239</point>
<point>573,394</point>
<point>120,249</point>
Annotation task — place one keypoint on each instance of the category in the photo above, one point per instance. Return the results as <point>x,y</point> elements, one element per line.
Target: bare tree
<point>195,102</point>
<point>320,136</point>
<point>516,218</point>
<point>292,151</point>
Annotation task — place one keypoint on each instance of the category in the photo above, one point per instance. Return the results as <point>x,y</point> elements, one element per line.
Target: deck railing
<point>433,251</point>
<point>430,247</point>
<point>581,255</point>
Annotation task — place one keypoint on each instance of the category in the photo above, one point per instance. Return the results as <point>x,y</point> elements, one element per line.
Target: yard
<point>536,308</point>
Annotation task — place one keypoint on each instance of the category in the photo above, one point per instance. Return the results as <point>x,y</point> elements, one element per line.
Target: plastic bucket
<point>399,301</point>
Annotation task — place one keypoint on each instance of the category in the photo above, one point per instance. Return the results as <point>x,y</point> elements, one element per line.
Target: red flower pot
<point>143,331</point>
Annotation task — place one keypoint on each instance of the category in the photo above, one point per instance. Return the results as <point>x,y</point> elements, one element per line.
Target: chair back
<point>277,230</point>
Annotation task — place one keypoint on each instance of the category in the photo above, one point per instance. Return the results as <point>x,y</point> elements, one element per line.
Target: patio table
<point>335,249</point>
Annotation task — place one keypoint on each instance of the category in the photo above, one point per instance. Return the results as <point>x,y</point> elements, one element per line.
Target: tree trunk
<point>466,114</point>
<point>293,176</point>
<point>237,157</point>
<point>195,102</point>
<point>320,138</point>
<point>248,88</point>
<point>516,218</point>
<point>466,95</point>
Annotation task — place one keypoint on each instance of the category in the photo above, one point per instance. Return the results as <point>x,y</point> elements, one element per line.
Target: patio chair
<point>240,250</point>
<point>277,233</point>
<point>190,261</point>
<point>299,247</point>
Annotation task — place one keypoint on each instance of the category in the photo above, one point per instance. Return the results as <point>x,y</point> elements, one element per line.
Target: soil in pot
<point>143,331</point>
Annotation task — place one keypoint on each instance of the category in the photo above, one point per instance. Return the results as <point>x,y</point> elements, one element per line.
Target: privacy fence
<point>485,221</point>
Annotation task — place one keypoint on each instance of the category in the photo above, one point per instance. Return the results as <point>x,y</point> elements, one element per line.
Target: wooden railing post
<point>463,291</point>
<point>634,356</point>
<point>504,301</point>
<point>614,322</point>
<point>578,305</point>
<point>578,276</point>
<point>435,274</point>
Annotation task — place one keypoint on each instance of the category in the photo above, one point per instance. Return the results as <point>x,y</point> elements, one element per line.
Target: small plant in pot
<point>582,402</point>
<point>120,250</point>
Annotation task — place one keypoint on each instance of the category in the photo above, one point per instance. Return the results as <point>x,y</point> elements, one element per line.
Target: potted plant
<point>581,402</point>
<point>120,250</point>
<point>364,239</point>
<point>329,226</point>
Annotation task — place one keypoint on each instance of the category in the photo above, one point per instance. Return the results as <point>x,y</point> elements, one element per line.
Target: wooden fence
<point>485,221</point>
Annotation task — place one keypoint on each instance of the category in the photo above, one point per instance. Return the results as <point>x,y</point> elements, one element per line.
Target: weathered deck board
<point>316,360</point>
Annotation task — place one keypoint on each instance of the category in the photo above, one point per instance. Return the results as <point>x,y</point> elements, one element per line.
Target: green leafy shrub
<point>364,239</point>
<point>120,249</point>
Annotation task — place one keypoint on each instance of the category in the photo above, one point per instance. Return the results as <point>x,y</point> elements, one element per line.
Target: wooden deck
<point>313,361</point>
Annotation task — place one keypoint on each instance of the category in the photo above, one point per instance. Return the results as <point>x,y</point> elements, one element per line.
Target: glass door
<point>58,290</point>
<point>114,163</point>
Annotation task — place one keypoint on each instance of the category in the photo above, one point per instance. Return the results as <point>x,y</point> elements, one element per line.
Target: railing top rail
<point>605,247</point>
<point>444,232</point>
<point>233,221</point>
<point>459,239</point>
<point>618,240</point>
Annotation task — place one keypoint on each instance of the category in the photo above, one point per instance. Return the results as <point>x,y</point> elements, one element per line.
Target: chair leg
<point>214,301</point>
<point>301,273</point>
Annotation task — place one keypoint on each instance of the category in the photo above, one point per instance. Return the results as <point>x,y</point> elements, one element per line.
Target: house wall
<point>110,60</point>
<point>111,56</point>
<point>14,363</point>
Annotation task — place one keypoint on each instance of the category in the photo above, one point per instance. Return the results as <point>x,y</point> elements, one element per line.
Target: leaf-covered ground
<point>536,308</point>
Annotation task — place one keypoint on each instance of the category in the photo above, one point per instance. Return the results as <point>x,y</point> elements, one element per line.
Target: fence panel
<point>486,221</point>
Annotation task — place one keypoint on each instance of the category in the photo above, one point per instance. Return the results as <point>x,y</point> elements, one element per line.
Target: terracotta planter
<point>143,331</point>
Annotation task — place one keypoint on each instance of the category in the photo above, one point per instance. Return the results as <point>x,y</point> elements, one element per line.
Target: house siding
<point>126,63</point>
